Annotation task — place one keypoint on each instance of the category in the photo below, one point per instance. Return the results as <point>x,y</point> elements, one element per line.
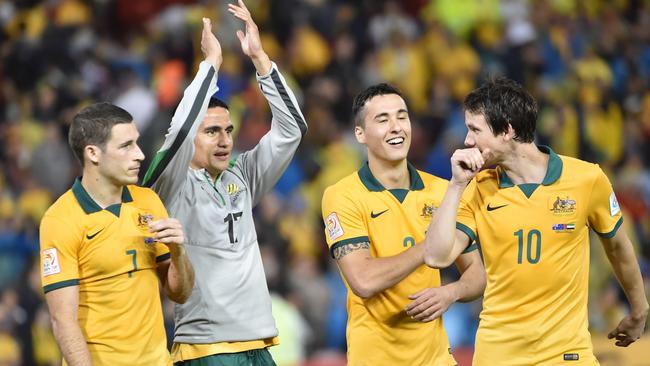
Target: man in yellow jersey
<point>105,244</point>
<point>531,216</point>
<point>374,220</point>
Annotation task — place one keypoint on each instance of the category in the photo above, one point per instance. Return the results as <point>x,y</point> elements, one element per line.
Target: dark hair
<point>502,101</point>
<point>370,92</point>
<point>216,102</point>
<point>93,125</point>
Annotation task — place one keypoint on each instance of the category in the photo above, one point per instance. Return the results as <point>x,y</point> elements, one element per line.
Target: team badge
<point>334,228</point>
<point>614,208</point>
<point>143,225</point>
<point>562,206</point>
<point>427,211</point>
<point>234,191</point>
<point>50,262</point>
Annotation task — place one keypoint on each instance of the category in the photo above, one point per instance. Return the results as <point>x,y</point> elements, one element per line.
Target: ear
<point>360,134</point>
<point>92,154</point>
<point>509,134</point>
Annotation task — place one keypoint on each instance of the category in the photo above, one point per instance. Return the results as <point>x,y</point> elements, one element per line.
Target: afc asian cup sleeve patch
<point>614,208</point>
<point>334,228</point>
<point>51,262</point>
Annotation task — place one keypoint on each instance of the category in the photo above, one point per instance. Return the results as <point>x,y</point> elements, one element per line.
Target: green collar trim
<point>373,185</point>
<point>553,170</point>
<point>90,206</point>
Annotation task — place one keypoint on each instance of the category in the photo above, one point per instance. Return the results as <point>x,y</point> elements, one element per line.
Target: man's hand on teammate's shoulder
<point>210,46</point>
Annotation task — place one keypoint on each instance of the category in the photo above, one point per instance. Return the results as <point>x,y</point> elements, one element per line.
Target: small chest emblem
<point>427,211</point>
<point>234,191</point>
<point>562,206</point>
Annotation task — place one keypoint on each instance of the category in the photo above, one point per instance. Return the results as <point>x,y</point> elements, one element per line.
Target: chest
<point>395,226</point>
<point>117,246</point>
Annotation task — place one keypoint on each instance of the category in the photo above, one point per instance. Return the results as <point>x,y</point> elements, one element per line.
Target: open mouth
<point>395,141</point>
<point>222,155</point>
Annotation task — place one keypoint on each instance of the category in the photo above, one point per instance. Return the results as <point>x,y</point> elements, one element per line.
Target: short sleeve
<point>344,222</point>
<point>466,219</point>
<point>59,244</point>
<point>604,214</point>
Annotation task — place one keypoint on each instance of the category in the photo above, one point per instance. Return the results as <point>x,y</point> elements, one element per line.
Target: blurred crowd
<point>587,63</point>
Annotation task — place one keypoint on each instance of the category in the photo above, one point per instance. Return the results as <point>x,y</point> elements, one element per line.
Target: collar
<point>373,185</point>
<point>553,170</point>
<point>88,204</point>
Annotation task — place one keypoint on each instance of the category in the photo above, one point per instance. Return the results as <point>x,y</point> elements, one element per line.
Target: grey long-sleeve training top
<point>230,300</point>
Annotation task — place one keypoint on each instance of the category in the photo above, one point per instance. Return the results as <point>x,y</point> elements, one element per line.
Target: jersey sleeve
<point>604,213</point>
<point>344,223</point>
<point>466,219</point>
<point>262,166</point>
<point>168,170</point>
<point>59,248</point>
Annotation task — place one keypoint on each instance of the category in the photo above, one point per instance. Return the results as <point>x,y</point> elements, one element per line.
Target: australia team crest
<point>562,205</point>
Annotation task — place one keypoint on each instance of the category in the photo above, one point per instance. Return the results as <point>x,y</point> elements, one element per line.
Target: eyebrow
<point>385,114</point>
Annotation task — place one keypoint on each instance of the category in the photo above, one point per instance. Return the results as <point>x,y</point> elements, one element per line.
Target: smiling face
<point>386,128</point>
<point>119,160</point>
<point>213,142</point>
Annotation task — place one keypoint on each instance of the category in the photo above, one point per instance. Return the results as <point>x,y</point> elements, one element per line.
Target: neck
<point>104,192</point>
<point>525,164</point>
<point>391,175</point>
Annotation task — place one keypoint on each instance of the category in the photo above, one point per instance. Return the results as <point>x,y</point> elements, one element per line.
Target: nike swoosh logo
<point>89,237</point>
<point>495,207</point>
<point>375,215</point>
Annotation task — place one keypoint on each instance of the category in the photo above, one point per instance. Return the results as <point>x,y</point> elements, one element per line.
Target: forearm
<point>262,63</point>
<point>72,343</point>
<point>180,276</point>
<point>470,285</point>
<point>441,234</point>
<point>626,268</point>
<point>375,275</point>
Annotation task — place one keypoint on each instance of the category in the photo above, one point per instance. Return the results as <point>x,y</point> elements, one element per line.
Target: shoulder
<point>486,177</point>
<point>573,168</point>
<point>65,208</point>
<point>347,186</point>
<point>432,182</point>
<point>142,193</point>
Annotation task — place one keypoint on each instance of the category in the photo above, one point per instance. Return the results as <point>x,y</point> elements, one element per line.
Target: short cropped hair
<point>93,125</point>
<point>216,102</point>
<point>502,101</point>
<point>363,97</point>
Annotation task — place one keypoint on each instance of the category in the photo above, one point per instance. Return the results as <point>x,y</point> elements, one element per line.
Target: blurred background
<point>587,63</point>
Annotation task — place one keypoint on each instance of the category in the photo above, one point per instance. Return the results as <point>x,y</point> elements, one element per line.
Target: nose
<point>395,125</point>
<point>224,139</point>
<point>469,140</point>
<point>139,155</point>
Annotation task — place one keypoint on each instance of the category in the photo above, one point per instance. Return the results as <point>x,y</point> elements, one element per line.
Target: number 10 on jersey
<point>533,254</point>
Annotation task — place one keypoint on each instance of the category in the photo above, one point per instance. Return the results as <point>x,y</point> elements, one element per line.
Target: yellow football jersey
<point>535,244</point>
<point>103,251</point>
<point>359,209</point>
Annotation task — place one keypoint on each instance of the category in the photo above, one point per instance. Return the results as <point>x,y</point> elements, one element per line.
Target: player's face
<point>120,159</point>
<point>480,135</point>
<point>213,141</point>
<point>387,130</point>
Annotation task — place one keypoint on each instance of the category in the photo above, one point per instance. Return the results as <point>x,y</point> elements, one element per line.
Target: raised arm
<point>443,242</point>
<point>168,171</point>
<point>626,268</point>
<point>63,304</point>
<point>262,166</point>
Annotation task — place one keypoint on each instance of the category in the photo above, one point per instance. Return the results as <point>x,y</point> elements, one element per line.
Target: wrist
<point>176,249</point>
<point>639,314</point>
<point>262,63</point>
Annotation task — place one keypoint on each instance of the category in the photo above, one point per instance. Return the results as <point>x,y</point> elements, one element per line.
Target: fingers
<point>240,11</point>
<point>207,26</point>
<point>241,36</point>
<point>418,294</point>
